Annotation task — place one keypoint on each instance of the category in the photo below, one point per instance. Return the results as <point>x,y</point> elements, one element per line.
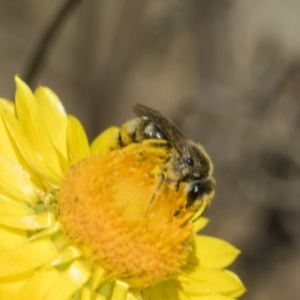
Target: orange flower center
<point>122,215</point>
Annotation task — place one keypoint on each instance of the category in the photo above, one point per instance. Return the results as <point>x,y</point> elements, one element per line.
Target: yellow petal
<point>154,292</point>
<point>55,117</point>
<point>33,222</point>
<point>15,182</point>
<point>8,104</point>
<point>78,145</point>
<point>29,153</point>
<point>6,146</point>
<point>103,142</point>
<point>209,281</point>
<point>46,232</point>
<point>239,291</point>
<point>165,290</point>
<point>212,297</point>
<point>214,253</point>
<point>88,294</point>
<point>10,238</point>
<point>120,290</point>
<point>11,208</point>
<point>33,125</point>
<point>98,277</point>
<point>37,285</point>
<point>106,289</point>
<point>131,296</point>
<point>100,297</point>
<point>26,257</point>
<point>200,224</point>
<point>69,282</point>
<point>9,287</point>
<point>68,254</point>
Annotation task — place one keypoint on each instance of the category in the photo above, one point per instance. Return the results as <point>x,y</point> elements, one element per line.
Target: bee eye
<point>196,191</point>
<point>189,161</point>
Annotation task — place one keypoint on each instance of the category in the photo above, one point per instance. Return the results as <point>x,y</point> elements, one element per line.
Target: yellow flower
<point>71,217</point>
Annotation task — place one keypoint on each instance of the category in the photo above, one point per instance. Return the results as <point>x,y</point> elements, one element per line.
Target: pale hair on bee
<point>186,162</point>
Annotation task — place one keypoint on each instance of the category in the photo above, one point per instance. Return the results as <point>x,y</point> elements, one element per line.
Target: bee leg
<point>155,194</point>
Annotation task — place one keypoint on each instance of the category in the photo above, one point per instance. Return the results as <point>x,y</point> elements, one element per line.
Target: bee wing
<point>166,126</point>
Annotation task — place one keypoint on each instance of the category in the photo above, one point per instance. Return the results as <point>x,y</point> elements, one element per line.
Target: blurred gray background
<point>227,72</point>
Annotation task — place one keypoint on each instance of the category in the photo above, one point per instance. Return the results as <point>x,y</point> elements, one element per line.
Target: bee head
<point>198,189</point>
<point>195,162</point>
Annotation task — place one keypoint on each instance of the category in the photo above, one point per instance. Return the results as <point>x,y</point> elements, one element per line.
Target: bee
<point>185,162</point>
